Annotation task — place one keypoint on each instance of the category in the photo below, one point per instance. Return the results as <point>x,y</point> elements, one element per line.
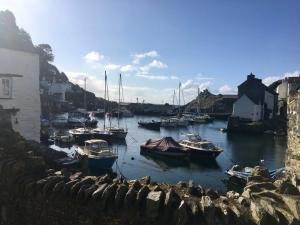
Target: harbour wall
<point>35,190</point>
<point>293,148</point>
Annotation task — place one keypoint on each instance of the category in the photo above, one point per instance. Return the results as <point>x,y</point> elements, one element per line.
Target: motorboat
<point>81,134</point>
<point>240,174</point>
<point>152,125</point>
<point>166,146</point>
<point>200,148</point>
<point>169,122</point>
<point>97,154</point>
<point>63,137</point>
<point>77,119</point>
<point>118,133</point>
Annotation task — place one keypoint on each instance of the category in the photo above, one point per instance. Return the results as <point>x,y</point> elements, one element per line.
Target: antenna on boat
<point>179,98</point>
<point>120,78</point>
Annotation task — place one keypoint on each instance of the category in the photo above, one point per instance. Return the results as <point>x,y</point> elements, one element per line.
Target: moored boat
<point>97,153</point>
<point>63,137</point>
<point>200,148</point>
<point>152,125</point>
<point>166,146</point>
<point>240,174</point>
<point>81,134</point>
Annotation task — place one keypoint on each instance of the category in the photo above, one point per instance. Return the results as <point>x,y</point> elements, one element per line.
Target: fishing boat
<point>240,174</point>
<point>151,125</point>
<point>97,153</point>
<point>200,148</point>
<point>169,122</point>
<point>166,146</point>
<point>81,134</point>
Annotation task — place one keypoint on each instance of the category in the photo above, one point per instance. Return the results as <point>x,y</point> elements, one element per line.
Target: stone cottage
<point>255,100</point>
<point>19,90</point>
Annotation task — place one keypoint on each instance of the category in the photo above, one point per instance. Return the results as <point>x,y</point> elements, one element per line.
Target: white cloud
<point>226,90</point>
<point>270,79</point>
<point>93,57</point>
<point>154,64</point>
<point>138,57</point>
<point>111,67</point>
<point>128,68</point>
<point>174,78</point>
<point>153,77</point>
<point>157,64</point>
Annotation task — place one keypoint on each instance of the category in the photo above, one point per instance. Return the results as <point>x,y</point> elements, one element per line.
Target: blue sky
<point>210,44</point>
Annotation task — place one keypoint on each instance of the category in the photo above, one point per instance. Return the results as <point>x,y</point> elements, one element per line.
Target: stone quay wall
<point>293,150</point>
<point>36,191</point>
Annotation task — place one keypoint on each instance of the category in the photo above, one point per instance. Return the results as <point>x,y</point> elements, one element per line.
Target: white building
<point>287,85</point>
<point>19,91</point>
<point>255,100</point>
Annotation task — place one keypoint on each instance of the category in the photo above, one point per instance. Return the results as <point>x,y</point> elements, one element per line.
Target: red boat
<point>166,146</point>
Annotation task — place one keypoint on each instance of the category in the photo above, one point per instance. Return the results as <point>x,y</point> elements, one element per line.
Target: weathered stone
<point>208,209</point>
<point>287,188</point>
<point>136,185</point>
<point>98,193</point>
<point>172,201</point>
<point>261,171</point>
<point>109,194</point>
<point>154,203</point>
<point>293,203</point>
<point>181,184</point>
<point>141,197</point>
<point>68,186</point>
<point>146,180</point>
<point>105,179</point>
<point>59,187</point>
<point>120,195</point>
<point>50,184</point>
<point>232,195</point>
<point>88,192</point>
<point>157,188</point>
<point>182,214</point>
<point>258,187</point>
<point>212,194</point>
<point>81,192</point>
<point>260,215</point>
<point>130,197</point>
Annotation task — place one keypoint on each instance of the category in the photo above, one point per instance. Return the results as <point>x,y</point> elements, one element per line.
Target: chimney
<point>251,76</point>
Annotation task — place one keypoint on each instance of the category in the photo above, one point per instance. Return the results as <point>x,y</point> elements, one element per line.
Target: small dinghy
<point>241,174</point>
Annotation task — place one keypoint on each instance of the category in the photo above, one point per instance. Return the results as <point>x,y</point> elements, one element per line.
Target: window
<point>5,91</point>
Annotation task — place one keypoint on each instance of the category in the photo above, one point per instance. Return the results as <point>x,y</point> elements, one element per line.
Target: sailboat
<point>117,132</point>
<point>110,133</point>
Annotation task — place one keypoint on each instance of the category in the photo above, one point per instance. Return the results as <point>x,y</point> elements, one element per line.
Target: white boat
<point>97,153</point>
<point>169,122</point>
<point>63,137</point>
<point>81,134</point>
<point>200,148</point>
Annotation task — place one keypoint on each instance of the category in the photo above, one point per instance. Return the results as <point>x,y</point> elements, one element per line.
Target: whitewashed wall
<point>282,90</point>
<point>246,109</point>
<point>25,91</point>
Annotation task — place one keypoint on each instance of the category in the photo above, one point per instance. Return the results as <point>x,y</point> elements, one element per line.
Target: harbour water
<point>238,149</point>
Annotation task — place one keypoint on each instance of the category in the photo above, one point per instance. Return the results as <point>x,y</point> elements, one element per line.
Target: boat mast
<point>119,101</point>
<point>198,108</point>
<point>104,100</point>
<point>179,98</point>
<point>84,99</point>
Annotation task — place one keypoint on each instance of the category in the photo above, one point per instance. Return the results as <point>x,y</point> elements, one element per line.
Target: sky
<point>155,44</point>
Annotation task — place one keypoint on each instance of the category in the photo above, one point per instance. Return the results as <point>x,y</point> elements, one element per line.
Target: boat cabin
<point>96,145</point>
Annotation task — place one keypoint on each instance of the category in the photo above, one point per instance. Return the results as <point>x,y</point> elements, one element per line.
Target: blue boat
<point>97,154</point>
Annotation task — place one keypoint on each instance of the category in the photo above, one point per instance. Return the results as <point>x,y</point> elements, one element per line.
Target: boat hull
<point>174,154</point>
<point>150,125</point>
<point>204,154</point>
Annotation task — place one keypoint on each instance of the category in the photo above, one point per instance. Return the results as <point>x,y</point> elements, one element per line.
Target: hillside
<point>210,103</point>
<point>13,37</point>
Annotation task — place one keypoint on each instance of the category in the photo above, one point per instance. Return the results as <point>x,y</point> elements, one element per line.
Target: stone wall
<point>35,190</point>
<point>293,151</point>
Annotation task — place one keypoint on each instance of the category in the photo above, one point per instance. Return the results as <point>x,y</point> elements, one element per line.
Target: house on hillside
<point>255,100</point>
<point>19,90</point>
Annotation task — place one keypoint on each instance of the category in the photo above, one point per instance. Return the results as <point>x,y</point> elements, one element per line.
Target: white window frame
<point>6,91</point>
